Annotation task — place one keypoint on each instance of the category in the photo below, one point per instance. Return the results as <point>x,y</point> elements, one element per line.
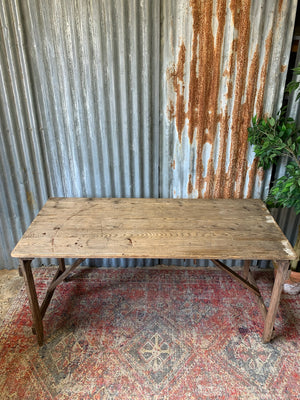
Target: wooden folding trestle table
<point>83,228</point>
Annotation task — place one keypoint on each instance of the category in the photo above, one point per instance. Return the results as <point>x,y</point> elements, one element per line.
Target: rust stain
<point>214,117</point>
<point>253,173</point>
<point>201,106</point>
<point>190,187</point>
<point>204,84</point>
<point>30,200</point>
<point>171,110</point>
<point>241,17</point>
<point>200,81</point>
<point>230,89</point>
<point>235,7</point>
<point>181,62</point>
<point>176,74</point>
<point>259,111</point>
<point>173,164</point>
<point>283,68</point>
<point>263,75</point>
<point>252,176</point>
<point>229,72</point>
<point>221,177</point>
<point>247,112</point>
<point>280,6</point>
<point>221,168</point>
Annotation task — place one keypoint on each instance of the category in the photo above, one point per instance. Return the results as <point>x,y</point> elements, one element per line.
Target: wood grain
<point>154,228</point>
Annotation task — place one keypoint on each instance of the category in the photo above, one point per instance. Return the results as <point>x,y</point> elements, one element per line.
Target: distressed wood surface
<point>154,228</point>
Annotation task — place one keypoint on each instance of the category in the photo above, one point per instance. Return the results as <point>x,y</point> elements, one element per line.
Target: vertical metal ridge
<point>135,103</point>
<point>122,55</point>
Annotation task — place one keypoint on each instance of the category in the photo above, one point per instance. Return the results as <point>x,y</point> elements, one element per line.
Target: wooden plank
<point>154,228</point>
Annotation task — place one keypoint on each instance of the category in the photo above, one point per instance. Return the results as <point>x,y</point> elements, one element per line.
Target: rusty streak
<point>207,121</point>
<point>190,185</point>
<point>171,110</point>
<point>213,117</point>
<point>263,75</point>
<point>252,175</point>
<point>221,172</point>
<point>204,84</point>
<point>241,17</point>
<point>177,77</point>
<point>247,111</point>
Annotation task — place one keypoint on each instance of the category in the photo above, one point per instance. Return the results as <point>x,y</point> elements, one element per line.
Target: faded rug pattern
<point>150,333</point>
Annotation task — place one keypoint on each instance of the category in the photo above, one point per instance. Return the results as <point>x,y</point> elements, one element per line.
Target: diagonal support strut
<point>63,276</point>
<point>236,276</point>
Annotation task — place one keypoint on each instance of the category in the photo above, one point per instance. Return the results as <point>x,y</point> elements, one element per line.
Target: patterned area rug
<point>139,334</point>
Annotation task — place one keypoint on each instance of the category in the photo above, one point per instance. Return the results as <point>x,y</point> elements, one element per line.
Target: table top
<point>154,228</point>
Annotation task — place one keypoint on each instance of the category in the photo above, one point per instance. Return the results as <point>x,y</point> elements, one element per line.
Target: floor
<point>10,284</point>
<point>164,334</point>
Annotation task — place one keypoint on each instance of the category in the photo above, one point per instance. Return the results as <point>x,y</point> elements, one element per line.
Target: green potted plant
<point>272,138</point>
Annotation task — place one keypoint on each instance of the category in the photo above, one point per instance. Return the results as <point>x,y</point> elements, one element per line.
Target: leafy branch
<point>273,138</point>
<point>294,85</point>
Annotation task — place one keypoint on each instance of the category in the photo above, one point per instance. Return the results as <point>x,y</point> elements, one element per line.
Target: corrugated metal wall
<point>133,98</point>
<point>226,61</point>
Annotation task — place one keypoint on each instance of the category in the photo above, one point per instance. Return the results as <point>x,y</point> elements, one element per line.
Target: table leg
<point>246,268</point>
<point>61,263</point>
<point>25,266</point>
<point>281,276</point>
